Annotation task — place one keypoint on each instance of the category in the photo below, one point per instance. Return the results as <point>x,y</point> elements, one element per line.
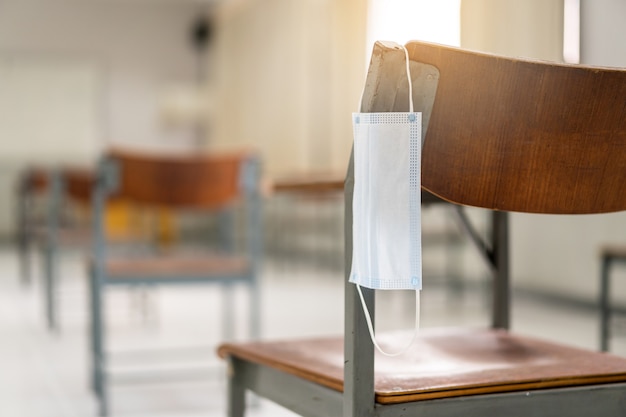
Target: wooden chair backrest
<point>195,181</point>
<point>509,134</point>
<point>78,183</point>
<point>33,180</point>
<point>514,135</point>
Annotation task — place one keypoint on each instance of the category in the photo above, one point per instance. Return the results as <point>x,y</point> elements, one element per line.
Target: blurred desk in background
<point>304,218</point>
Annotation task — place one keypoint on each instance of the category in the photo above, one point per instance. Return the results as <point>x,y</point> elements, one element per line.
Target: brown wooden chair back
<point>195,181</point>
<point>533,137</point>
<point>78,184</point>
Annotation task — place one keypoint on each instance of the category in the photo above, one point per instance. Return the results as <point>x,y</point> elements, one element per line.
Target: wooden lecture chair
<point>503,134</point>
<point>45,198</point>
<point>69,188</point>
<point>31,187</point>
<point>52,214</point>
<point>215,184</point>
<point>65,196</point>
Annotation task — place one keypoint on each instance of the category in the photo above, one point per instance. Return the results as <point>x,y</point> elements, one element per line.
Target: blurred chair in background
<point>54,216</point>
<point>310,207</point>
<point>52,207</point>
<point>31,190</point>
<point>69,195</point>
<point>215,184</point>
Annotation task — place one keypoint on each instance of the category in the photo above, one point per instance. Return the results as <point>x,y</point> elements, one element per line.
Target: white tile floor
<point>44,374</point>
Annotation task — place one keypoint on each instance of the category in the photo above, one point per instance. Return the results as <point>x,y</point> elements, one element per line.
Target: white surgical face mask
<point>386,205</point>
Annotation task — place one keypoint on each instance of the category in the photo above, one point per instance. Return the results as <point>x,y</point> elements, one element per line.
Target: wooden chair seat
<point>442,363</point>
<point>177,265</point>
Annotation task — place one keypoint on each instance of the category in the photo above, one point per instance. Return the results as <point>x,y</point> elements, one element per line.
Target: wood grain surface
<point>516,135</point>
<point>442,363</point>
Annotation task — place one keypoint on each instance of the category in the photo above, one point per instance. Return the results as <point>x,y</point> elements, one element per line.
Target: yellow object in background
<point>118,220</point>
<point>125,220</point>
<point>166,230</point>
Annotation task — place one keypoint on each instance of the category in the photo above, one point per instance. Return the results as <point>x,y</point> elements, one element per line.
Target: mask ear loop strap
<point>368,317</point>
<point>408,77</point>
<point>370,326</point>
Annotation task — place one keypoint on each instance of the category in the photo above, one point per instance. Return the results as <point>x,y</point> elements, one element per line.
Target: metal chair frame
<point>308,398</point>
<point>107,181</point>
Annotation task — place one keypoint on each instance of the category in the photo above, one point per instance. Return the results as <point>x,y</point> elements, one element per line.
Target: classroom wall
<point>529,28</point>
<point>286,75</point>
<point>557,255</point>
<point>79,76</point>
<point>289,75</point>
<point>603,32</point>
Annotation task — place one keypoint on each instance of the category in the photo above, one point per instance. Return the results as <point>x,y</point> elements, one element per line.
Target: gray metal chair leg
<point>92,332</point>
<point>255,310</point>
<point>103,410</point>
<point>228,319</point>
<point>24,256</point>
<point>23,247</point>
<point>50,276</point>
<point>605,310</point>
<point>50,247</point>
<point>236,390</point>
<point>97,344</point>
<point>23,236</point>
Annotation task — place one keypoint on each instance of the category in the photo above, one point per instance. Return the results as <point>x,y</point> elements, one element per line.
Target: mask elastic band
<point>408,76</point>
<point>370,326</point>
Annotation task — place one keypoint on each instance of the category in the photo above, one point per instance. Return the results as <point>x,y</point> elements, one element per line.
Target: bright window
<point>404,20</point>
